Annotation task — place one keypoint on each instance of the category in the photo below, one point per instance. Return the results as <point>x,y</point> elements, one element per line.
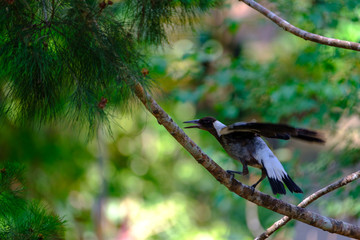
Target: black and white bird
<point>243,143</point>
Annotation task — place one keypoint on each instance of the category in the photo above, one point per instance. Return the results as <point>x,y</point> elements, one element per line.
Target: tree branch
<point>309,200</point>
<point>244,191</point>
<point>299,32</point>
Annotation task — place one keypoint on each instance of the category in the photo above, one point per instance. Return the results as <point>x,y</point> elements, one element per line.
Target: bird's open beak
<point>196,121</point>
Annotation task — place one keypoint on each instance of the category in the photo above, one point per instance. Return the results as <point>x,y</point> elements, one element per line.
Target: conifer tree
<point>69,59</point>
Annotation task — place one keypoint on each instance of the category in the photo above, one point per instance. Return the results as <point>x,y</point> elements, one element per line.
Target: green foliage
<point>33,222</point>
<point>151,18</point>
<point>21,218</point>
<point>313,80</point>
<point>71,57</point>
<point>59,60</point>
<point>318,16</point>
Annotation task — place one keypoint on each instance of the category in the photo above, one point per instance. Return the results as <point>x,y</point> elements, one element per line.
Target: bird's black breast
<point>240,146</point>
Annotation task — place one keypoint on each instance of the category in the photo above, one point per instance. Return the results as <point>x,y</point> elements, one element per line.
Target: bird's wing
<point>271,130</point>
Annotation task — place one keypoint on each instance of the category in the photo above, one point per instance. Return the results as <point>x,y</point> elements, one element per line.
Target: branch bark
<point>342,182</point>
<point>244,191</point>
<point>299,32</point>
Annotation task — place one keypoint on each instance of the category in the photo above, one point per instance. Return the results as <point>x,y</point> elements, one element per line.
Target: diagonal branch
<point>342,182</point>
<point>244,191</point>
<point>299,32</point>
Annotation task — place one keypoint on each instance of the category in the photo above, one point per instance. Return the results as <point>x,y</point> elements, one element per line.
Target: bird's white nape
<point>218,126</point>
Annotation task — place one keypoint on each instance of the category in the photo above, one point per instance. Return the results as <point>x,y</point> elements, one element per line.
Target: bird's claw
<point>232,175</point>
<point>252,189</point>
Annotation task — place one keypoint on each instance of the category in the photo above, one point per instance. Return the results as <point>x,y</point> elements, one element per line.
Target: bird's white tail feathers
<point>274,170</point>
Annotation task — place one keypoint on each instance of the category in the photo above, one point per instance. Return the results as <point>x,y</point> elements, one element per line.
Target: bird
<point>243,142</point>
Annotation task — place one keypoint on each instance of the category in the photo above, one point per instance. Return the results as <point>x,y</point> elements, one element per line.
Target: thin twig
<point>299,32</point>
<point>244,191</point>
<point>45,13</point>
<point>342,182</point>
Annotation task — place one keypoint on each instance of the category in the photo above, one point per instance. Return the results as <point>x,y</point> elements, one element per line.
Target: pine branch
<point>342,182</point>
<point>299,32</point>
<point>22,218</point>
<point>244,191</point>
<point>65,64</point>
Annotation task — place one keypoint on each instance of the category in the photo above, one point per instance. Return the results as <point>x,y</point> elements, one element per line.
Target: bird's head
<point>209,124</point>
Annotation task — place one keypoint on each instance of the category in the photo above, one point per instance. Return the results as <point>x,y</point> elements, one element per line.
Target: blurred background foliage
<point>232,64</point>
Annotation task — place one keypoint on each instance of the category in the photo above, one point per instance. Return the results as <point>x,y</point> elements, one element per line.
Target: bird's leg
<point>263,176</point>
<point>244,172</point>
